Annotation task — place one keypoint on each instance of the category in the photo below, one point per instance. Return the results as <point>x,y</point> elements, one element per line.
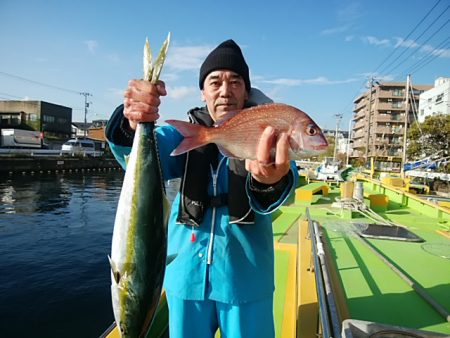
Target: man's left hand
<point>263,169</point>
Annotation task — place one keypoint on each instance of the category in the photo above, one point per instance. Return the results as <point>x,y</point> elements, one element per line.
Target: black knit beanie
<point>228,56</point>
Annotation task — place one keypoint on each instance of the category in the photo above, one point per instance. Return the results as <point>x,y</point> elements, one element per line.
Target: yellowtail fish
<point>238,136</point>
<point>139,243</point>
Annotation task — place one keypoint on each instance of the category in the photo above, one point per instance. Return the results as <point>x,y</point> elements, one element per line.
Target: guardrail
<point>49,152</point>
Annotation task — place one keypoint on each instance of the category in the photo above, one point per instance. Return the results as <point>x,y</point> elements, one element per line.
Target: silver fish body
<point>139,244</point>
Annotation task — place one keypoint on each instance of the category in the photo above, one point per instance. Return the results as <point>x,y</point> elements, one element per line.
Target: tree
<point>430,137</point>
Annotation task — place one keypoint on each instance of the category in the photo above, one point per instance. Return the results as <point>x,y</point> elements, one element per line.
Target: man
<point>220,225</point>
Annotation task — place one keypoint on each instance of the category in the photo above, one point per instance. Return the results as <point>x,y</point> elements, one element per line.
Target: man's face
<point>224,92</point>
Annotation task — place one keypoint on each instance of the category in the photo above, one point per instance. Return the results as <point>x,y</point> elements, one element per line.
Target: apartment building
<point>379,119</point>
<point>436,100</point>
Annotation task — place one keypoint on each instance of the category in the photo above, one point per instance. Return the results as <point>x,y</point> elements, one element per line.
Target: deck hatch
<point>390,232</point>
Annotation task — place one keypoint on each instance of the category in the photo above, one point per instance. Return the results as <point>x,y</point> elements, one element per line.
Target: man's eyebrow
<point>213,77</point>
<point>233,76</point>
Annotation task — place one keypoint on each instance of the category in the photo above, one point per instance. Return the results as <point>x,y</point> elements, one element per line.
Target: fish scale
<point>239,136</point>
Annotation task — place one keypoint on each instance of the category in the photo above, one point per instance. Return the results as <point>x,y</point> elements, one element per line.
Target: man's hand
<point>262,169</point>
<point>142,100</point>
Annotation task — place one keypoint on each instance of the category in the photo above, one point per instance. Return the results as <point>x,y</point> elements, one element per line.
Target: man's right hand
<point>142,100</point>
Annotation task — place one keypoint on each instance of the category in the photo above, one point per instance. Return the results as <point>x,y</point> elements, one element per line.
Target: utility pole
<point>86,105</point>
<point>348,141</point>
<point>368,118</point>
<point>408,84</point>
<point>338,120</point>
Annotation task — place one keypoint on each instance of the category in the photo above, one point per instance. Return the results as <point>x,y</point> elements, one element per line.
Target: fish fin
<point>170,258</point>
<point>126,157</point>
<point>194,136</point>
<point>115,272</point>
<point>226,152</point>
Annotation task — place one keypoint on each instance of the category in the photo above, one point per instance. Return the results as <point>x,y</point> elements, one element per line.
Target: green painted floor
<point>281,267</point>
<point>373,291</point>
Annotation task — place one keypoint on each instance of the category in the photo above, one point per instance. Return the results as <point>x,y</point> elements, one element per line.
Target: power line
<point>433,54</point>
<point>396,48</point>
<point>385,69</point>
<point>409,34</point>
<point>40,83</point>
<point>13,96</point>
<point>415,51</point>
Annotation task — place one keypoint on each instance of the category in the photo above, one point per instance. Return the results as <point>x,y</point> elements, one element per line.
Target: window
<point>87,145</point>
<point>398,92</point>
<point>439,98</point>
<point>49,118</point>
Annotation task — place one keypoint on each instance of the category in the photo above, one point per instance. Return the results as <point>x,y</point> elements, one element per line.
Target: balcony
<point>360,115</point>
<point>394,105</point>
<point>358,134</point>
<point>393,129</point>
<point>359,125</point>
<point>386,117</point>
<point>381,142</point>
<point>361,104</point>
<point>392,93</point>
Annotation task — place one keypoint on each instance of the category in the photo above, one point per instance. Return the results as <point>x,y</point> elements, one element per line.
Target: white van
<point>79,146</point>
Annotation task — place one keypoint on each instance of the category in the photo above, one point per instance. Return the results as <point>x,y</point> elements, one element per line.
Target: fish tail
<point>195,136</point>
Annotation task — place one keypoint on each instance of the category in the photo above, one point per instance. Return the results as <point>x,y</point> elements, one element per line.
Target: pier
<point>27,164</point>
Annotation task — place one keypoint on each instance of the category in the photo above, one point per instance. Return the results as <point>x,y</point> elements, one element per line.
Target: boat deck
<point>394,282</point>
<point>385,281</point>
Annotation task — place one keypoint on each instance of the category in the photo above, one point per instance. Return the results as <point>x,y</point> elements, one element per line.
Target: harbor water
<point>55,236</point>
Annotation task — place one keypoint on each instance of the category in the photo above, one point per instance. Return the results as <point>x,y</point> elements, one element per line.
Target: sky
<point>315,55</point>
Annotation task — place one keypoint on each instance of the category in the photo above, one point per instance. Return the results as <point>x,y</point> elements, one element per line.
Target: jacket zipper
<point>213,221</point>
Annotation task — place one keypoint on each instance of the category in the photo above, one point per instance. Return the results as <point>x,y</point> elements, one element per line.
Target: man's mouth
<point>226,106</point>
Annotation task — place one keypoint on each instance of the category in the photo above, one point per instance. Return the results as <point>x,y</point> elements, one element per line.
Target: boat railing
<point>328,314</point>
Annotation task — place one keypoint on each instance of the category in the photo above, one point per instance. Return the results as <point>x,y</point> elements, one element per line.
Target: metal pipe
<point>323,310</point>
<point>334,317</point>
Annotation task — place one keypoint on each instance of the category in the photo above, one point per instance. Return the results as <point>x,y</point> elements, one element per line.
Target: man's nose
<point>225,89</point>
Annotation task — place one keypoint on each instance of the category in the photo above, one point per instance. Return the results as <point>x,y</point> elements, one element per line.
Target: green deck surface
<point>373,291</point>
<point>285,218</point>
<point>281,266</point>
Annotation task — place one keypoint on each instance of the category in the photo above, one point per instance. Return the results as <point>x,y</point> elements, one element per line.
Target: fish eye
<point>311,130</point>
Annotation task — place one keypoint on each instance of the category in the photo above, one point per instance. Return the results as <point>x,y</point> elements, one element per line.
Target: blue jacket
<point>230,263</point>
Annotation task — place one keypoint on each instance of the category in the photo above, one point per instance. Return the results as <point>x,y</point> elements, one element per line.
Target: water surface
<point>55,235</point>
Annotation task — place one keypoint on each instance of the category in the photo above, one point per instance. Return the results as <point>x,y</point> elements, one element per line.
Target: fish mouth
<point>320,147</point>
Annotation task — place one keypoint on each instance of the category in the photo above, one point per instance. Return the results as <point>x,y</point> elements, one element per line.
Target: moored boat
<point>377,265</point>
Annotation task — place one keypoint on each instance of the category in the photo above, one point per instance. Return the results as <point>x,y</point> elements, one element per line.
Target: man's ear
<point>202,96</point>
